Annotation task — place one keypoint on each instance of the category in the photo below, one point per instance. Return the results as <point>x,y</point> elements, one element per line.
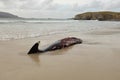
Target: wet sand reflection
<point>35,58</point>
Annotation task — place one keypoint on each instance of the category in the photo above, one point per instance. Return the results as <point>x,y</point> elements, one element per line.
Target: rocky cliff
<point>102,16</point>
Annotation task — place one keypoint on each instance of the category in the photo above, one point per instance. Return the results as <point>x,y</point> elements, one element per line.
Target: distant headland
<point>101,16</point>
<point>8,15</point>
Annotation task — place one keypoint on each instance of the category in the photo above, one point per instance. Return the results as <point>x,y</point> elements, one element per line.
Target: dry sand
<point>98,58</point>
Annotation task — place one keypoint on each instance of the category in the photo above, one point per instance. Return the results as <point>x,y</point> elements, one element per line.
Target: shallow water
<point>17,29</point>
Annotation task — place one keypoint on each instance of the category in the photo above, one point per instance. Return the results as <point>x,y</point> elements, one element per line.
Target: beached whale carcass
<point>65,42</point>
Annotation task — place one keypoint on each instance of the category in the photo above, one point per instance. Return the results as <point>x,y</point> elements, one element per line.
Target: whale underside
<point>63,43</point>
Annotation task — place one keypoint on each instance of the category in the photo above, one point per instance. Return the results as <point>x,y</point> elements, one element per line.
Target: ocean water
<point>18,29</point>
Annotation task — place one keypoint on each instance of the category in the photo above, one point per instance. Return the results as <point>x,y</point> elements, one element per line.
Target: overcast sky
<point>56,8</point>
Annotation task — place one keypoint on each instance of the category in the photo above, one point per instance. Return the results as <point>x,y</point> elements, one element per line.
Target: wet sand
<point>98,58</point>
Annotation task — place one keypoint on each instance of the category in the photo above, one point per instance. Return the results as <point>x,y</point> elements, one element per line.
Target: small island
<point>101,16</point>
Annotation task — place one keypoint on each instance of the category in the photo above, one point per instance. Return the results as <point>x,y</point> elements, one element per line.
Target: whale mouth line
<point>60,44</point>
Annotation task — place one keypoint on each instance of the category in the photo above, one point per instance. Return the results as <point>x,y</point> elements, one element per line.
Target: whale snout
<point>79,41</point>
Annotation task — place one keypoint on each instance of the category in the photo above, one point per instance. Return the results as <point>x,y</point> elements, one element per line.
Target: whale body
<point>63,43</point>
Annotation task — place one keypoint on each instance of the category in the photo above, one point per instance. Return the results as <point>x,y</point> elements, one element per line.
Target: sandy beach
<point>98,58</point>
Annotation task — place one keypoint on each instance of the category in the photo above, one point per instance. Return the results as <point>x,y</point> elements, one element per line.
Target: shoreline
<point>96,59</point>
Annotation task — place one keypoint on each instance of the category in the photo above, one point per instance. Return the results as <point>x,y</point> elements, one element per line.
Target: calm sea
<point>18,29</point>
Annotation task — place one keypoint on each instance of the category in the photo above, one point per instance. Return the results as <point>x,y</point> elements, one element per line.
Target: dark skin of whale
<point>60,44</point>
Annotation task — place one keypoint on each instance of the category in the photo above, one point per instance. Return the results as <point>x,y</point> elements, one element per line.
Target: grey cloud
<point>10,4</point>
<point>98,5</point>
<point>49,5</point>
<point>112,4</point>
<point>26,4</point>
